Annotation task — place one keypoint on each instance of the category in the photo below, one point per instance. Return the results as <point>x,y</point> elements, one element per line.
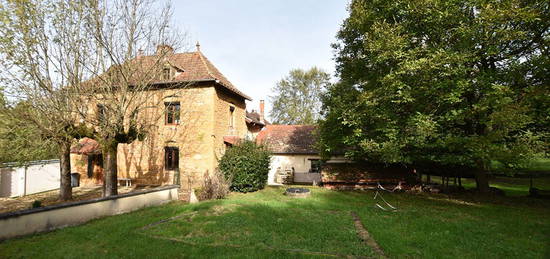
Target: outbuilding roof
<point>86,146</point>
<point>289,139</point>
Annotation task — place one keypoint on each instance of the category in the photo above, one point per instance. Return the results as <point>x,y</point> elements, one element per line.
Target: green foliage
<point>246,165</point>
<point>441,83</point>
<point>297,98</point>
<point>36,204</point>
<point>21,141</point>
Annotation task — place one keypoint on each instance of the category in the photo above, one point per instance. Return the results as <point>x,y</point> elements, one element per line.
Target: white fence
<point>34,177</point>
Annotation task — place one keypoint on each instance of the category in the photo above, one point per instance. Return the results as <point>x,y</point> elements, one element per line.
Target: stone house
<point>198,123</point>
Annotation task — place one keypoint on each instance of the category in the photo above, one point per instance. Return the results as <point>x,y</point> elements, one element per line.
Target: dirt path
<point>366,237</point>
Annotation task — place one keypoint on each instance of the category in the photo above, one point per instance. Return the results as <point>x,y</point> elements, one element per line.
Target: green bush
<point>36,204</point>
<point>246,165</point>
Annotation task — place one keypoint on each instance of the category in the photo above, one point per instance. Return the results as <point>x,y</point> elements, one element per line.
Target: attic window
<point>166,73</point>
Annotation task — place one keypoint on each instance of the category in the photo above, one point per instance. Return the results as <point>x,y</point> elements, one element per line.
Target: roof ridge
<point>205,64</point>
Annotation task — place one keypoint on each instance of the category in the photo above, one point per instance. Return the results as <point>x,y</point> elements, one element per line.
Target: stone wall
<point>356,174</point>
<point>222,117</point>
<point>144,160</point>
<point>79,164</point>
<point>204,121</point>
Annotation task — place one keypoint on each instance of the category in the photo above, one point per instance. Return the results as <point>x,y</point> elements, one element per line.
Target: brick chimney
<point>262,105</point>
<point>164,49</point>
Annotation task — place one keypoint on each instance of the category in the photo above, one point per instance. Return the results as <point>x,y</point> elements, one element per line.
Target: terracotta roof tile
<point>233,140</point>
<point>254,117</point>
<point>86,146</point>
<point>196,67</point>
<point>289,139</point>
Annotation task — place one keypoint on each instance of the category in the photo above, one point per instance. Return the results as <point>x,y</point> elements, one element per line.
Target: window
<point>171,158</point>
<point>231,116</point>
<point>172,113</point>
<point>101,113</point>
<point>315,166</point>
<point>166,73</point>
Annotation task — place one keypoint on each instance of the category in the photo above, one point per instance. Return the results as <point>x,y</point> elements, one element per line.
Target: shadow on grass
<point>269,220</point>
<point>269,224</point>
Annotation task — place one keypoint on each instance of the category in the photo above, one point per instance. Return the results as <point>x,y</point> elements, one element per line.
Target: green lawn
<point>512,186</point>
<point>268,224</point>
<point>537,165</point>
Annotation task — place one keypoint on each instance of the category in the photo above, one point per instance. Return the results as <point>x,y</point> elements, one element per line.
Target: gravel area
<point>51,197</point>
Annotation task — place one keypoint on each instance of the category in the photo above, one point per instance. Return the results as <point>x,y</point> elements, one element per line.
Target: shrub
<point>247,165</point>
<point>36,204</point>
<point>215,186</point>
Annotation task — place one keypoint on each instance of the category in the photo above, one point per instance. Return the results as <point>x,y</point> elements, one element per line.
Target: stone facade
<point>209,111</point>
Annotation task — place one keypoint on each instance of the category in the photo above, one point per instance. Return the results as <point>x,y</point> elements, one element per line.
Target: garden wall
<point>33,177</point>
<point>36,220</point>
<point>357,175</point>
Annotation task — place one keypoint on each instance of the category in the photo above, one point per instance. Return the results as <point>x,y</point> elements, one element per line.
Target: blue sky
<point>255,43</point>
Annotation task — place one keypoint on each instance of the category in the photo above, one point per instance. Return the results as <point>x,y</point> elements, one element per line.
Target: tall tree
<point>21,141</point>
<point>297,98</point>
<point>441,84</point>
<point>42,47</point>
<point>134,40</point>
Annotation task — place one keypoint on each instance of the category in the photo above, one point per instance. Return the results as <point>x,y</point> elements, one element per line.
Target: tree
<point>118,98</point>
<point>18,139</point>
<point>297,98</point>
<point>77,64</point>
<point>42,47</point>
<point>441,84</point>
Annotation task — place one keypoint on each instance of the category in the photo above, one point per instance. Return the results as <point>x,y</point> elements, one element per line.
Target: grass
<point>537,165</point>
<point>268,224</point>
<point>512,186</point>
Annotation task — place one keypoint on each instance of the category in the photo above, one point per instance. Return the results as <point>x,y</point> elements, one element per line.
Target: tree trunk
<point>65,189</point>
<point>110,172</point>
<point>428,179</point>
<point>482,181</point>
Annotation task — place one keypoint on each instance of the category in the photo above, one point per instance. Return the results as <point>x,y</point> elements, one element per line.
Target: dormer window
<point>166,74</point>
